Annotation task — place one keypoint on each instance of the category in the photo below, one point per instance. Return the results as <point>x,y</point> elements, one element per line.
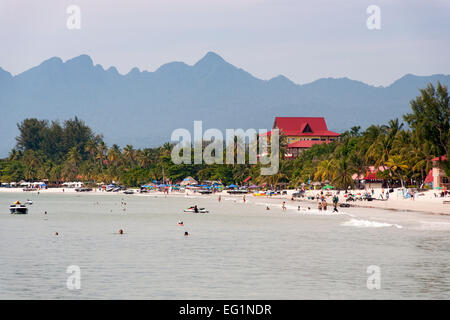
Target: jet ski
<point>192,210</point>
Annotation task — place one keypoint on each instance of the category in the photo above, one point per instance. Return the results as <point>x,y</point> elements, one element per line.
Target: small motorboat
<point>29,202</point>
<point>199,210</point>
<point>128,192</point>
<point>18,208</point>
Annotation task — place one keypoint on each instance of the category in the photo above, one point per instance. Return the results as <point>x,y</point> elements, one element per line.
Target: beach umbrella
<point>232,186</point>
<point>328,187</point>
<point>439,188</point>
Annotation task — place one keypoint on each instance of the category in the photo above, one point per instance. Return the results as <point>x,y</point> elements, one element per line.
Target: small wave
<point>368,224</point>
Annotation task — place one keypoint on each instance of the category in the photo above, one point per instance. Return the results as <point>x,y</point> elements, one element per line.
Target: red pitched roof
<point>429,177</point>
<point>306,143</point>
<point>301,126</point>
<point>442,158</point>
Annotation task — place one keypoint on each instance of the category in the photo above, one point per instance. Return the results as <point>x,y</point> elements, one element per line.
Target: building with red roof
<point>303,132</point>
<point>440,179</point>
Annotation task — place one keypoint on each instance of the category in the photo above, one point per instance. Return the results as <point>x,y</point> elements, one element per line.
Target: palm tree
<point>101,152</point>
<point>14,155</point>
<point>342,174</point>
<point>325,170</point>
<point>396,164</point>
<point>90,147</point>
<point>114,154</point>
<point>129,153</point>
<point>74,157</point>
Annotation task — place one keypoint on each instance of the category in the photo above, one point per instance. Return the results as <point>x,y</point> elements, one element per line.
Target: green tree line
<point>72,151</point>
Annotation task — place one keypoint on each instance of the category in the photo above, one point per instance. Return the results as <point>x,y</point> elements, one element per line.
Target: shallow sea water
<point>237,251</point>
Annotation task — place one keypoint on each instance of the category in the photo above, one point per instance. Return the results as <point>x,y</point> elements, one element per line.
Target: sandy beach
<point>424,202</point>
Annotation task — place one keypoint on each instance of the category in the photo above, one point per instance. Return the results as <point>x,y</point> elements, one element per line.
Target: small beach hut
<point>188,181</point>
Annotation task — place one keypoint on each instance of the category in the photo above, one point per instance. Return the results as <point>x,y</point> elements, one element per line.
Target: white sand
<point>423,203</point>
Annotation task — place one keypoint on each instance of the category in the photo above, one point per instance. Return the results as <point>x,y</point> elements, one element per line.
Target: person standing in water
<point>335,203</point>
<point>283,206</point>
<point>243,198</point>
<point>220,198</point>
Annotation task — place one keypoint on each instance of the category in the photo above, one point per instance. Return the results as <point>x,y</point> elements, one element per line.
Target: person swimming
<point>186,233</point>
<point>267,208</point>
<point>180,223</point>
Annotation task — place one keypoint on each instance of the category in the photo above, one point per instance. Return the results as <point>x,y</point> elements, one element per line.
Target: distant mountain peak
<point>134,71</point>
<point>113,70</point>
<point>281,79</point>
<point>83,59</point>
<point>210,58</point>
<point>176,66</point>
<point>52,61</point>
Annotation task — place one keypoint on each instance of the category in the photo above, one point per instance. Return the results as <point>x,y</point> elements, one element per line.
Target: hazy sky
<point>301,40</point>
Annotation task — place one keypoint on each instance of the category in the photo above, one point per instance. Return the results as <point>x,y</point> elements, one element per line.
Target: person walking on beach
<point>324,204</point>
<point>283,206</point>
<point>319,205</point>
<point>243,198</point>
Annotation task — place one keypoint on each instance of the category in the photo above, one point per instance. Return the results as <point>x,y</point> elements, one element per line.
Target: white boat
<point>29,202</point>
<point>18,208</point>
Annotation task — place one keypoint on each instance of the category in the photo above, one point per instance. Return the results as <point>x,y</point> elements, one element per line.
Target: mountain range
<point>143,108</point>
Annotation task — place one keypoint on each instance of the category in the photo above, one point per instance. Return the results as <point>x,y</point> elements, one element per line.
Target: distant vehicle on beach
<point>237,191</point>
<point>83,189</point>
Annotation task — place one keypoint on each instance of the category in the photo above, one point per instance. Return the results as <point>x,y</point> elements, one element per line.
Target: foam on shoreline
<point>368,224</point>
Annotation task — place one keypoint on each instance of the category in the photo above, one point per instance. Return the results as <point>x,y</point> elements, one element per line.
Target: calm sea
<point>237,251</point>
